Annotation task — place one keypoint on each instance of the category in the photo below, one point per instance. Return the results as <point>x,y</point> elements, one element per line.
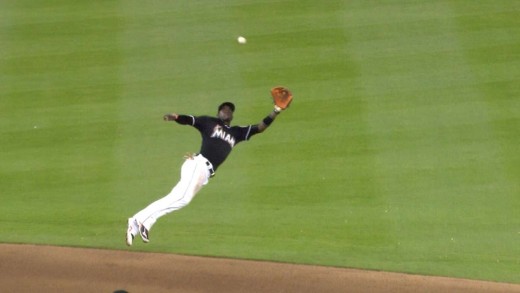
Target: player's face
<point>225,114</point>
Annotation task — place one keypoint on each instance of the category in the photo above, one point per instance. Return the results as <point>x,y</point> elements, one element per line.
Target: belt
<point>208,164</point>
<point>210,168</point>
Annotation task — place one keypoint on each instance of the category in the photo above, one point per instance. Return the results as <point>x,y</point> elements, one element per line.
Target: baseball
<point>241,40</point>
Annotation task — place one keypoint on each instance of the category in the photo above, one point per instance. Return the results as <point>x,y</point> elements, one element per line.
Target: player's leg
<point>194,175</point>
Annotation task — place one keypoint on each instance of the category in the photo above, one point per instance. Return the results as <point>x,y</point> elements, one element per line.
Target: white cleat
<point>129,236</point>
<point>131,231</point>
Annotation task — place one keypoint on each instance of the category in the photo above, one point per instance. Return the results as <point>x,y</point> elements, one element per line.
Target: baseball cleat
<point>129,236</point>
<point>132,230</point>
<point>144,233</point>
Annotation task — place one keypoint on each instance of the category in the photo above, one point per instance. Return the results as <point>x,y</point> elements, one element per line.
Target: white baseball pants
<point>195,173</point>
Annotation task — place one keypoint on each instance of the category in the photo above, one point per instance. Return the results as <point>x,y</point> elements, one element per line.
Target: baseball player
<point>218,139</point>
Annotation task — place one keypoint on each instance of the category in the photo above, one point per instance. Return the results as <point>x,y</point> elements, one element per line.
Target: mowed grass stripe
<point>498,72</point>
<point>432,149</point>
<point>61,101</point>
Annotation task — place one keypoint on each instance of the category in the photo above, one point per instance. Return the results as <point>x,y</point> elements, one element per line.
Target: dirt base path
<point>29,268</point>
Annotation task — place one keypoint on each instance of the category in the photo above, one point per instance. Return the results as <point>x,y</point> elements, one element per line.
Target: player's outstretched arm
<point>180,119</point>
<point>268,119</point>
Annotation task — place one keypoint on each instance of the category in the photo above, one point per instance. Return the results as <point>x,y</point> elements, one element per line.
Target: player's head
<point>225,111</point>
<point>229,104</point>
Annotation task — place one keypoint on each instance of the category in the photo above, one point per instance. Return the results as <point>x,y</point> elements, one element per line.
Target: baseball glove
<point>282,97</point>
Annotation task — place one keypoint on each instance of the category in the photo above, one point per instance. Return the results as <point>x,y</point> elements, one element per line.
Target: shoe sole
<point>145,239</point>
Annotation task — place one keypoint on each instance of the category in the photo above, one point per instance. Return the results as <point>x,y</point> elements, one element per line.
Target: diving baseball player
<point>218,139</point>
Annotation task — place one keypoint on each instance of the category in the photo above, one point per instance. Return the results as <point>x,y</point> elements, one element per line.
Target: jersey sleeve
<point>186,120</point>
<point>201,122</point>
<point>249,131</point>
<point>198,122</point>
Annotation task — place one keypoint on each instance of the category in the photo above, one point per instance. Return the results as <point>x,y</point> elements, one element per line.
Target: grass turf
<point>399,152</point>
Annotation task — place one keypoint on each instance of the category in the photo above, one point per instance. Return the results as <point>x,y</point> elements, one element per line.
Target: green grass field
<point>399,153</point>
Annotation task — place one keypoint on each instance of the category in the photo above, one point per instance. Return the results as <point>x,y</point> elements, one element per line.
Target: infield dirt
<point>30,268</point>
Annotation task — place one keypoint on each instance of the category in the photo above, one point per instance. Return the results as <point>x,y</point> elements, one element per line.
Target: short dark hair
<point>229,104</point>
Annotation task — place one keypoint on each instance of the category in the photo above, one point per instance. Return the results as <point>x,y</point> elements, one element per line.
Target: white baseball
<point>241,40</point>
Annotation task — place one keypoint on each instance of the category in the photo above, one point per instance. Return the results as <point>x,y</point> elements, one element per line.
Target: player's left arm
<point>268,120</point>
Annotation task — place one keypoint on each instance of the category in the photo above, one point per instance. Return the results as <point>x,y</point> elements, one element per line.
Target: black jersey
<point>218,139</point>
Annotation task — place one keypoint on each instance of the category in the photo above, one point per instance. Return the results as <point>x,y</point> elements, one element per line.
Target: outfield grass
<point>399,153</point>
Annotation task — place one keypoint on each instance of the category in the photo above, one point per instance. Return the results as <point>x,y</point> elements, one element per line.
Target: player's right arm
<point>181,119</point>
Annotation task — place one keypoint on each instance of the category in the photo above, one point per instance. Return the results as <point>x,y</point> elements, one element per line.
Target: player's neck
<point>226,122</point>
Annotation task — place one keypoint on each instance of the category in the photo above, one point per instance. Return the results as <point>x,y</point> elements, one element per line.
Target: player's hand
<point>170,117</point>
